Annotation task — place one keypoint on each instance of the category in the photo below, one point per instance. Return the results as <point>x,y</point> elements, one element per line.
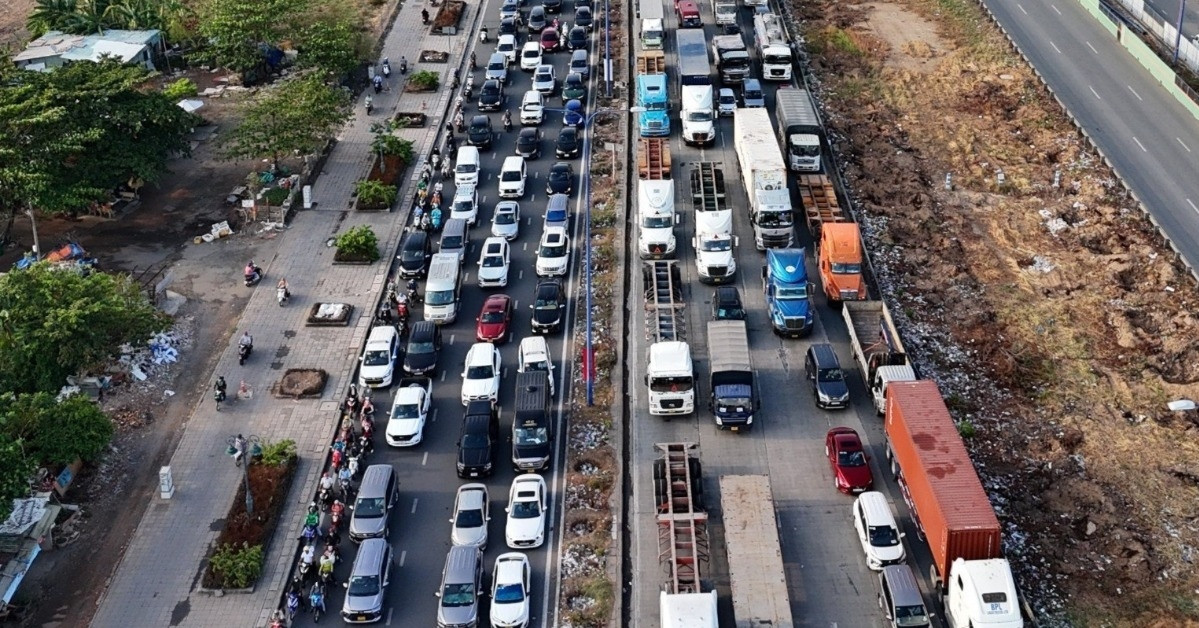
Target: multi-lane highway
<point>420,528</point>
<point>1152,141</point>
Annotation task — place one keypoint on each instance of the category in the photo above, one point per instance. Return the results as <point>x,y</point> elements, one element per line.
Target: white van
<point>466,168</point>
<point>441,289</point>
<point>512,177</point>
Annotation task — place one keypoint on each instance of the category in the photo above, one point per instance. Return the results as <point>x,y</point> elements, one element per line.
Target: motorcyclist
<point>282,285</point>
<point>220,388</point>
<point>327,481</point>
<point>460,122</point>
<point>246,341</point>
<point>483,34</point>
<point>424,16</point>
<point>317,597</point>
<point>327,562</point>
<point>239,449</point>
<point>370,104</point>
<point>412,290</point>
<point>507,120</point>
<point>378,82</point>
<point>293,602</point>
<point>403,65</point>
<point>308,555</point>
<point>473,63</point>
<point>252,272</point>
<point>436,214</point>
<point>312,518</point>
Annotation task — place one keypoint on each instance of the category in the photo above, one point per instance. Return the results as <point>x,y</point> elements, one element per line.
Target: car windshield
<point>496,65</point>
<point>492,317</point>
<point>480,372</point>
<point>525,510</point>
<point>420,347</point>
<point>655,106</point>
<point>657,222</point>
<point>728,100</point>
<point>509,593</point>
<point>911,616</point>
<point>506,46</point>
<point>472,518</point>
<point>377,358</point>
<point>670,384</point>
<point>406,411</point>
<point>475,441</point>
<point>753,95</point>
<point>364,585</point>
<point>411,255</point>
<point>700,116</point>
<point>532,53</point>
<point>530,106</point>
<point>831,375</point>
<point>552,250</point>
<point>717,245</point>
<point>795,292</point>
<point>851,459</point>
<point>458,594</point>
<point>846,269</point>
<point>883,536</point>
<point>555,215</point>
<point>531,436</point>
<point>559,175</point>
<point>549,302</point>
<point>466,168</point>
<point>369,507</point>
<point>505,218</point>
<point>493,261</point>
<point>463,206</point>
<point>439,297</point>
<point>540,366</point>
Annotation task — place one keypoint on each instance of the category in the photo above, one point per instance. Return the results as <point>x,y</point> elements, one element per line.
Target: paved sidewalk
<point>157,582</point>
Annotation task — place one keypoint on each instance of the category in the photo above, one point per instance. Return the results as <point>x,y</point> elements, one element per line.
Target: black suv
<point>480,133</point>
<point>424,343</point>
<point>824,372</point>
<point>583,17</point>
<point>528,143</point>
<point>547,306</point>
<point>577,38</point>
<point>479,440</point>
<point>568,144</point>
<point>414,255</point>
<point>537,21</point>
<point>726,304</point>
<point>491,96</point>
<point>552,6</point>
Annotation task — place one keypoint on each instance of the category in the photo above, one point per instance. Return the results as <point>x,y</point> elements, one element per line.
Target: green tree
<point>49,15</point>
<point>235,30</point>
<point>54,323</point>
<point>16,471</point>
<point>297,116</point>
<point>56,432</point>
<point>332,44</point>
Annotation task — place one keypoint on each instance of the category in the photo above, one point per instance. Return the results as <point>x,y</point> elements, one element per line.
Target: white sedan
<point>406,424</point>
<point>505,222</point>
<point>493,263</point>
<point>510,591</point>
<point>471,514</point>
<point>530,56</point>
<point>545,80</point>
<point>526,512</point>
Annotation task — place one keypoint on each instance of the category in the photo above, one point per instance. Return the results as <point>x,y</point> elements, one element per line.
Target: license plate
<point>735,428</point>
<point>361,618</point>
<point>474,474</point>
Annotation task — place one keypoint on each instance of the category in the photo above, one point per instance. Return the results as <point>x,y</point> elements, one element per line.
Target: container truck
<point>693,65</point>
<point>731,58</point>
<point>788,293</point>
<point>799,129</point>
<point>670,375</point>
<point>840,261</point>
<point>653,28</point>
<point>773,47</point>
<point>734,393</point>
<point>765,178</point>
<point>759,583</point>
<point>950,509</point>
<point>876,347</point>
<point>655,219</point>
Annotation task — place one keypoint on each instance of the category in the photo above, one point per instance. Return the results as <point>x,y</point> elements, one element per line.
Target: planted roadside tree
<point>332,37</point>
<point>234,31</point>
<point>53,323</point>
<point>297,116</point>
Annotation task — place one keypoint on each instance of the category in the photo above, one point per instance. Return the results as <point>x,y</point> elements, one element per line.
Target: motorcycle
<point>243,352</point>
<point>324,498</point>
<point>367,444</point>
<point>378,83</point>
<point>252,275</point>
<point>425,222</point>
<point>403,65</point>
<point>352,464</point>
<point>413,295</point>
<point>282,295</point>
<point>317,600</point>
<point>306,559</point>
<point>435,218</point>
<point>387,68</point>
<point>483,35</point>
<point>507,121</point>
<point>293,605</point>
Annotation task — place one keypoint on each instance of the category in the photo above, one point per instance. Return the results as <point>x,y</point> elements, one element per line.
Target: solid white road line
<point>1134,138</point>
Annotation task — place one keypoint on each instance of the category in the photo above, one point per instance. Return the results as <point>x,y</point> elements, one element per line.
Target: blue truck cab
<point>651,94</point>
<point>788,293</point>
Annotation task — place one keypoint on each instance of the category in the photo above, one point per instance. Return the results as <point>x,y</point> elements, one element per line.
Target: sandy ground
<point>1054,319</point>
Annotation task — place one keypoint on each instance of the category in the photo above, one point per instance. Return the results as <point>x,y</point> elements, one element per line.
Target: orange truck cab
<point>841,262</point>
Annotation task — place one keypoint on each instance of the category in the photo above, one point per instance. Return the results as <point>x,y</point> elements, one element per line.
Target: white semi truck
<point>714,240</point>
<point>670,374</point>
<point>655,219</point>
<point>774,47</point>
<point>765,178</point>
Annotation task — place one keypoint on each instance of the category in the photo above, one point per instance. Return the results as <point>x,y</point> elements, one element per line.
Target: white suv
<point>532,108</point>
<point>512,176</point>
<point>481,373</point>
<point>465,204</point>
<point>879,534</point>
<point>553,255</point>
<point>530,56</point>
<point>493,263</point>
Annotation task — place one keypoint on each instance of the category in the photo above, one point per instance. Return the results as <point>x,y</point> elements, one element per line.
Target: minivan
<point>414,254</point>
<point>441,289</point>
<point>424,344</point>
<point>497,68</point>
<point>899,596</point>
<point>557,212</point>
<point>478,440</point>
<point>377,495</point>
<point>367,586</point>
<point>824,372</point>
<point>751,94</point>
<point>580,63</point>
<point>534,356</point>
<point>461,586</point>
<point>879,534</point>
<point>512,174</point>
<point>379,357</point>
<point>466,166</point>
<point>453,238</point>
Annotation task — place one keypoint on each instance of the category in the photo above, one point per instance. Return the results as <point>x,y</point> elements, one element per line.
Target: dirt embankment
<point>1054,318</point>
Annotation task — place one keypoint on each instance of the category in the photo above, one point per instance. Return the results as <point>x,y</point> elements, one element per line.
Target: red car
<point>850,463</point>
<point>494,318</point>
<point>550,40</point>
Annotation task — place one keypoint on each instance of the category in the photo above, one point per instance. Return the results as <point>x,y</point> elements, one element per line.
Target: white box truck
<point>765,178</point>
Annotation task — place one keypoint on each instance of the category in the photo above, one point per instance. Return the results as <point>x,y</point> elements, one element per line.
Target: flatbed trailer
<point>759,584</point>
<point>819,200</point>
<point>653,159</point>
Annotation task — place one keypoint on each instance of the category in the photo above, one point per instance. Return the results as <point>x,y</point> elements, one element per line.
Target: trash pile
<point>142,362</point>
<point>140,373</point>
<point>216,232</point>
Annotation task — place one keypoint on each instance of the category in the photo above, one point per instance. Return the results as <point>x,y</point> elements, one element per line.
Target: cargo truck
<point>759,583</point>
<point>773,47</point>
<point>698,113</point>
<point>877,349</point>
<point>653,27</point>
<point>670,374</point>
<point>950,509</point>
<point>799,129</point>
<point>731,58</point>
<point>734,393</point>
<point>724,11</point>
<point>788,293</point>
<point>765,178</point>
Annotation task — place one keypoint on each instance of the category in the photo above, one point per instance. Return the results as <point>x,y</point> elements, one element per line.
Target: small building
<point>28,531</point>
<point>55,49</point>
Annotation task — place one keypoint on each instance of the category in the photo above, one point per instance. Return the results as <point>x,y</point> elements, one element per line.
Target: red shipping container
<point>938,480</point>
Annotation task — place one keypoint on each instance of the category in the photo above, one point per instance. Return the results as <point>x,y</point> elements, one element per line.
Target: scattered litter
<point>168,393</point>
<point>331,311</point>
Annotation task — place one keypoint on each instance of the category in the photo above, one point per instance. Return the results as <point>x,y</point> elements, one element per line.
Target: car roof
<point>508,36</point>
<point>480,353</point>
<point>510,567</point>
<point>506,205</point>
<point>496,301</point>
<point>549,284</point>
<point>554,233</point>
<point>530,45</point>
<point>493,245</point>
<point>472,496</point>
<point>535,345</point>
<point>544,67</point>
<point>497,57</point>
<point>526,483</point>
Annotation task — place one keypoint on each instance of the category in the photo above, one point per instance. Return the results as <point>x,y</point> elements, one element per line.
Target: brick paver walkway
<point>157,582</point>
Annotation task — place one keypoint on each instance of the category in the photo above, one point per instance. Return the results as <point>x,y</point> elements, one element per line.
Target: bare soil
<point>1056,320</point>
<point>302,382</point>
<point>12,22</point>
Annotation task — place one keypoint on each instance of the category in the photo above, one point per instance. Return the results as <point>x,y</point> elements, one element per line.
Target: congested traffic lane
<point>420,528</point>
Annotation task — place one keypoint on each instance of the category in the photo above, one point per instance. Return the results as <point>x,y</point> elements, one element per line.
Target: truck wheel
<point>894,468</point>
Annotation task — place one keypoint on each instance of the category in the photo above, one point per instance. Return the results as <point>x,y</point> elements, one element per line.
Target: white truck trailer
<point>774,47</point>
<point>765,178</point>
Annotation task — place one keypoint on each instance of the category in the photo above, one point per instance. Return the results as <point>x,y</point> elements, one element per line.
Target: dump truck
<point>653,159</point>
<point>799,129</point>
<point>734,392</point>
<point>765,178</point>
<point>877,349</point>
<point>724,11</point>
<point>731,58</point>
<point>774,47</point>
<point>950,508</point>
<point>839,258</point>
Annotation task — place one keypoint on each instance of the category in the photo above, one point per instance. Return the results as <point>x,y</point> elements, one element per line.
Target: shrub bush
<point>239,567</point>
<point>359,243</point>
<point>183,88</point>
<point>424,80</point>
<point>388,144</point>
<point>374,194</point>
<point>275,196</point>
<point>278,454</point>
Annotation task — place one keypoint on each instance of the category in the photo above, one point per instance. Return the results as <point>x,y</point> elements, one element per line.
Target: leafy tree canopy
<point>56,433</point>
<point>53,323</point>
<point>329,34</point>
<point>83,17</point>
<point>16,469</point>
<point>296,116</point>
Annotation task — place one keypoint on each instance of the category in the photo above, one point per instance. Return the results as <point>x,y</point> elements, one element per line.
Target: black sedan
<point>528,143</point>
<point>491,97</point>
<point>479,133</point>
<point>552,6</point>
<point>548,306</point>
<point>561,179</point>
<point>510,26</point>
<point>577,38</point>
<point>583,17</point>
<point>568,144</point>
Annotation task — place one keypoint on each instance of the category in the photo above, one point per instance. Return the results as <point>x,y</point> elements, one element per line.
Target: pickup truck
<point>409,411</point>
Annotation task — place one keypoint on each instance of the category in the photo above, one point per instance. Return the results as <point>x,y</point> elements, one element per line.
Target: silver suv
<point>461,586</point>
<point>368,583</point>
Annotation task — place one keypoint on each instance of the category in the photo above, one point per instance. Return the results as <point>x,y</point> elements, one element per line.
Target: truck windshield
<point>805,151</point>
<point>657,222</point>
<point>670,384</point>
<point>784,293</point>
<point>846,269</point>
<point>732,404</point>
<point>530,436</point>
<point>717,245</point>
<point>655,106</point>
<point>774,219</point>
<point>736,64</point>
<point>699,116</point>
<point>777,59</point>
